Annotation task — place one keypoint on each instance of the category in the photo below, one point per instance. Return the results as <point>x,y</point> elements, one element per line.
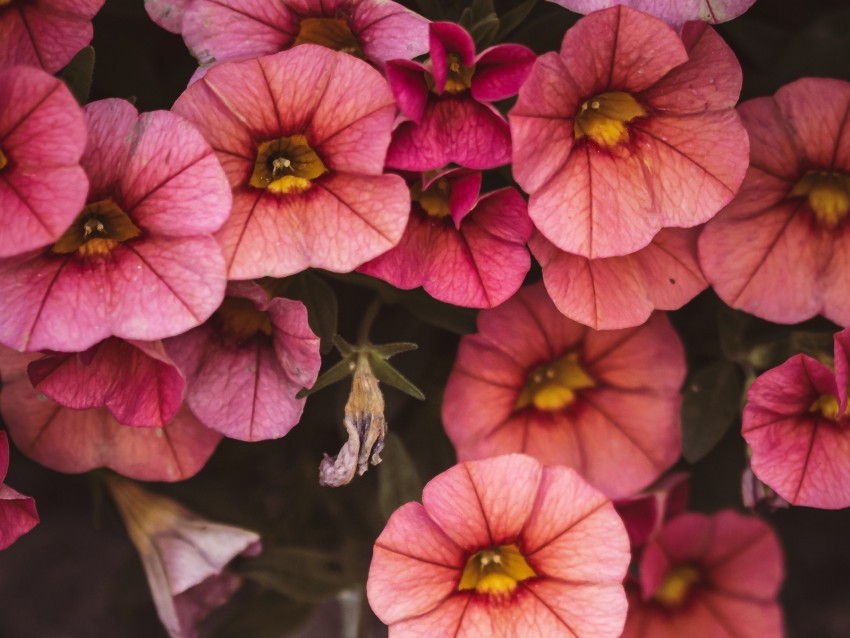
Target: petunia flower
<point>645,514</point>
<point>502,547</point>
<point>621,292</point>
<point>781,249</point>
<point>72,441</point>
<point>17,512</point>
<point>245,365</point>
<point>138,262</point>
<point>184,555</point>
<point>674,12</point>
<point>302,135</point>
<point>708,577</point>
<point>463,248</point>
<point>42,137</point>
<point>796,422</point>
<point>603,402</point>
<point>628,130</point>
<point>44,33</point>
<point>447,102</point>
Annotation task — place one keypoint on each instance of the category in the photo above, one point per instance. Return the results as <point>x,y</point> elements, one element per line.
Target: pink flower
<point>138,262</point>
<point>781,249</point>
<point>45,33</point>
<point>707,577</point>
<point>168,13</point>
<point>42,137</point>
<point>246,364</point>
<point>447,102</point>
<point>536,382</point>
<point>463,248</point>
<point>629,129</point>
<point>621,292</point>
<point>302,135</point>
<point>675,13</point>
<point>184,555</point>
<point>645,514</point>
<point>73,441</point>
<point>502,547</point>
<point>17,512</point>
<point>796,422</point>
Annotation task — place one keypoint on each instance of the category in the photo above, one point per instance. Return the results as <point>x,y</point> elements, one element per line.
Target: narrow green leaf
<point>481,10</point>
<point>300,573</point>
<point>398,480</point>
<point>321,303</point>
<point>344,348</point>
<point>78,74</point>
<point>710,404</point>
<point>387,350</point>
<point>484,31</point>
<point>513,18</point>
<point>336,372</point>
<point>389,375</point>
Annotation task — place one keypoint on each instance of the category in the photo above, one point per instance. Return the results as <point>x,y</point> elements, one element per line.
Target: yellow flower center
<point>286,165</point>
<point>553,386</point>
<point>458,76</point>
<point>238,319</point>
<point>333,33</point>
<point>434,199</point>
<point>827,405</point>
<point>676,586</point>
<point>495,571</point>
<point>604,118</point>
<point>828,195</point>
<point>3,159</point>
<point>97,230</point>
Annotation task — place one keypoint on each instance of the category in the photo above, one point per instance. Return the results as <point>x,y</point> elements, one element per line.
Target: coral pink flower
<point>675,13</point>
<point>629,129</point>
<point>246,364</point>
<point>447,102</point>
<point>302,135</point>
<point>168,13</point>
<point>781,249</point>
<point>72,441</point>
<point>605,403</point>
<point>708,577</point>
<point>45,33</point>
<point>42,137</point>
<point>462,248</point>
<point>138,262</point>
<point>502,547</point>
<point>645,514</point>
<point>622,292</point>
<point>17,512</point>
<point>796,422</point>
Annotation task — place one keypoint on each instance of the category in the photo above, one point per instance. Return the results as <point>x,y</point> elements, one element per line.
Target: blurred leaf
<point>387,350</point>
<point>322,307</point>
<point>389,375</point>
<point>710,404</point>
<point>513,18</point>
<point>484,31</point>
<point>267,615</point>
<point>398,481</point>
<point>299,573</point>
<point>336,372</point>
<point>79,73</point>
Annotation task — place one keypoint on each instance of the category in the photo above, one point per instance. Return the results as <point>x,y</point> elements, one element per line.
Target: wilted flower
<point>675,13</point>
<point>502,547</point>
<point>17,512</point>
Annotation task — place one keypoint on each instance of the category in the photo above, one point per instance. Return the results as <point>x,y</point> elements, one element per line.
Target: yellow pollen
<point>495,571</point>
<point>97,231</point>
<point>553,386</point>
<point>333,33</point>
<point>238,320</point>
<point>827,405</point>
<point>676,586</point>
<point>286,165</point>
<point>828,196</point>
<point>458,76</point>
<point>434,200</point>
<point>3,159</point>
<point>604,118</point>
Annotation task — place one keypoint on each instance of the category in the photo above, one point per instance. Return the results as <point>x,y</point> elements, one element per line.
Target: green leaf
<point>336,372</point>
<point>300,573</point>
<point>513,18</point>
<point>345,348</point>
<point>481,10</point>
<point>711,403</point>
<point>78,74</point>
<point>321,303</point>
<point>387,350</point>
<point>266,615</point>
<point>398,480</point>
<point>389,375</point>
<point>484,31</point>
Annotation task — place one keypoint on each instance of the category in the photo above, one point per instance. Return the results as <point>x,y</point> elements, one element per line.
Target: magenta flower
<point>302,135</point>
<point>184,555</point>
<point>536,382</point>
<point>502,543</point>
<point>675,13</point>
<point>72,441</point>
<point>781,249</point>
<point>461,247</point>
<point>44,33</point>
<point>447,102</point>
<point>707,577</point>
<point>621,292</point>
<point>246,364</point>
<point>42,137</point>
<point>796,421</point>
<point>628,130</point>
<point>138,261</point>
<point>17,512</point>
